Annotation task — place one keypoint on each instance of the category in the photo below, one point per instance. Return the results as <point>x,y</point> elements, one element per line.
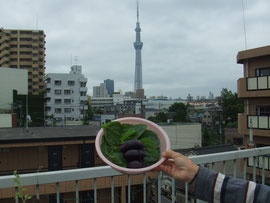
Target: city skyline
<point>190,46</point>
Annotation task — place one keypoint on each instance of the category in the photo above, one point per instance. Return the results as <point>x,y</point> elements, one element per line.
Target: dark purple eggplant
<point>135,164</point>
<point>131,144</point>
<point>134,154</point>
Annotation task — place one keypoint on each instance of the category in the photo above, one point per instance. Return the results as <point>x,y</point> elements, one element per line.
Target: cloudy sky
<point>190,46</point>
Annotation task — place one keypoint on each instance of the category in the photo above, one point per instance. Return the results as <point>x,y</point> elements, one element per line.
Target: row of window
<point>66,110</point>
<point>66,101</point>
<point>66,92</point>
<point>25,53</point>
<point>59,82</point>
<point>262,72</point>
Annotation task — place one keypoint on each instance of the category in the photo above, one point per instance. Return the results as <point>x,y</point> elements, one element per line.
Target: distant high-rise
<point>109,86</point>
<point>24,49</point>
<point>138,57</point>
<point>100,91</point>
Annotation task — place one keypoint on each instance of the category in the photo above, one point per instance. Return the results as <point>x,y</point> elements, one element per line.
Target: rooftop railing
<point>256,158</point>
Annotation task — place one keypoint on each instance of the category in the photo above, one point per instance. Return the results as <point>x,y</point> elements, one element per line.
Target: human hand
<point>178,166</point>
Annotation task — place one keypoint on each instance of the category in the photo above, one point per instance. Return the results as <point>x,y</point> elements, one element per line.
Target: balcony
<point>260,125</point>
<point>83,98</point>
<point>254,87</point>
<point>253,163</point>
<point>83,89</point>
<point>83,79</point>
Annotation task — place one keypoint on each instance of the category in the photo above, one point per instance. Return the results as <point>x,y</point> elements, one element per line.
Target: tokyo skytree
<point>138,56</point>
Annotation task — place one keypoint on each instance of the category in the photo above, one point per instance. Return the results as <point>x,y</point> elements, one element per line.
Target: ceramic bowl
<point>161,134</point>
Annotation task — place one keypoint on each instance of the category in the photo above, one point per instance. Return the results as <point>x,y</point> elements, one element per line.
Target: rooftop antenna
<point>71,59</point>
<point>76,60</point>
<point>137,10</point>
<point>244,21</point>
<point>37,22</point>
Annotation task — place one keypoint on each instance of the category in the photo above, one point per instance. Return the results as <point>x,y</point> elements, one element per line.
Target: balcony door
<point>54,158</point>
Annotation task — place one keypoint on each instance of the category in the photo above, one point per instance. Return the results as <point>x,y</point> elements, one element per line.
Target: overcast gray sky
<point>190,46</point>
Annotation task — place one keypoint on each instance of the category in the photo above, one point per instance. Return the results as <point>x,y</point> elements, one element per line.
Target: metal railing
<point>259,122</point>
<point>240,157</point>
<point>258,83</point>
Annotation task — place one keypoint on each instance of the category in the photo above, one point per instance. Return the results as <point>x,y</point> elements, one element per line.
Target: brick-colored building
<point>254,88</point>
<point>24,49</point>
<point>42,149</point>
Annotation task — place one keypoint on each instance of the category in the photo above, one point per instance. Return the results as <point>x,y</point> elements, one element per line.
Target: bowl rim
<point>129,170</point>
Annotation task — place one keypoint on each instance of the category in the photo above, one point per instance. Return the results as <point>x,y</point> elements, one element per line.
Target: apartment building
<point>254,88</point>
<point>62,148</point>
<point>66,98</point>
<point>100,91</point>
<point>25,49</point>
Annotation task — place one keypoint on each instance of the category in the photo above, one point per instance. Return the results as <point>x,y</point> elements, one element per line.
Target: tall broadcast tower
<point>138,57</point>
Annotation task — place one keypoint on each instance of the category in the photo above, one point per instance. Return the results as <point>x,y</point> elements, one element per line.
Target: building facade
<point>62,148</point>
<point>109,86</point>
<point>100,91</point>
<point>25,49</point>
<point>66,98</point>
<point>254,88</point>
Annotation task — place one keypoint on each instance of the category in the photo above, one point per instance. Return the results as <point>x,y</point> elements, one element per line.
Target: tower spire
<point>137,11</point>
<point>138,59</point>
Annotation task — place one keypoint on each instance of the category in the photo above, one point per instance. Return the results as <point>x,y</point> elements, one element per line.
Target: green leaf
<point>112,133</point>
<point>139,130</point>
<point>127,133</point>
<point>150,135</point>
<point>151,150</point>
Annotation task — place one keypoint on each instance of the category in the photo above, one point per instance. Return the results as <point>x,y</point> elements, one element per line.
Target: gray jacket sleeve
<point>211,186</point>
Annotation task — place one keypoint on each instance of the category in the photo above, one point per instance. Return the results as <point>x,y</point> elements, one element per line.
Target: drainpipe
<point>250,141</point>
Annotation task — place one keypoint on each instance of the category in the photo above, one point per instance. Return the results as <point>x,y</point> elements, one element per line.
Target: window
<point>67,91</point>
<point>67,101</point>
<point>58,101</point>
<point>67,110</point>
<point>57,82</point>
<point>263,110</point>
<point>35,76</point>
<point>263,72</point>
<point>57,91</point>
<point>58,110</point>
<point>48,80</point>
<point>71,82</point>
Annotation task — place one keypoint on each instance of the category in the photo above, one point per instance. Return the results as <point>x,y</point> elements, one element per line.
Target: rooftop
<point>252,53</point>
<point>33,134</point>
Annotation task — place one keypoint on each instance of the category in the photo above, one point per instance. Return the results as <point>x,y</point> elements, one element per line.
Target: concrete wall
<point>12,79</point>
<point>184,136</point>
<point>5,120</point>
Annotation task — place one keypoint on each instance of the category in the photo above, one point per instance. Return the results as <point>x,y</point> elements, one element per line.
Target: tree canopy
<point>230,105</point>
<point>180,110</point>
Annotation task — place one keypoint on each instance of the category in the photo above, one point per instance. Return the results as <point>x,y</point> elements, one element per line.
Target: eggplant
<point>134,154</point>
<point>135,164</point>
<point>131,144</point>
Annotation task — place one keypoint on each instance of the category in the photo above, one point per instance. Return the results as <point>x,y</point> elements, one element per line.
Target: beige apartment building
<point>24,49</point>
<point>254,88</point>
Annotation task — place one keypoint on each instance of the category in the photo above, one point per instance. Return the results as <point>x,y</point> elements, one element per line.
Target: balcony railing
<point>259,122</point>
<point>237,158</point>
<point>258,83</point>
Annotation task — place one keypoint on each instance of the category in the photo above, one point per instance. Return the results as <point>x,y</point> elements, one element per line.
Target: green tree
<point>210,138</point>
<point>160,117</point>
<point>230,105</point>
<point>180,110</point>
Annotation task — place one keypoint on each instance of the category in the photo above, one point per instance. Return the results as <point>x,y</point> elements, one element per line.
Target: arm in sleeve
<point>211,186</point>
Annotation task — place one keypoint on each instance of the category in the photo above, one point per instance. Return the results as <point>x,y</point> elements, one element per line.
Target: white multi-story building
<point>100,91</point>
<point>66,97</point>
